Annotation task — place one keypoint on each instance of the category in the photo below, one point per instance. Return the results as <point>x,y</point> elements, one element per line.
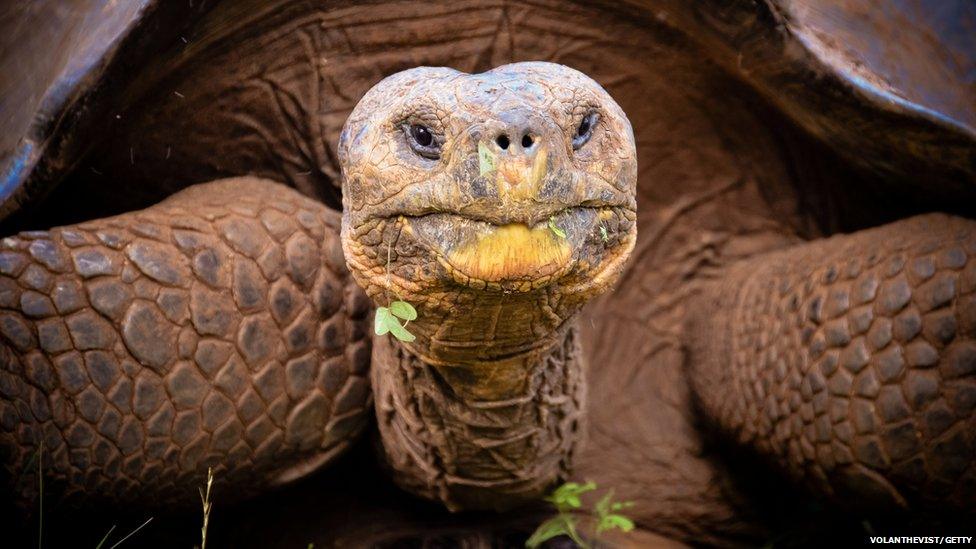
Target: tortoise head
<point>519,181</point>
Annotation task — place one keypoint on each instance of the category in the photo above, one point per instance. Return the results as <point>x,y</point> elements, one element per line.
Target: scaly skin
<point>485,408</point>
<point>851,362</point>
<point>217,328</point>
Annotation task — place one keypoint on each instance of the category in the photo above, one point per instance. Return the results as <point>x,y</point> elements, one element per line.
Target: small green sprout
<point>556,230</point>
<point>607,519</point>
<point>567,501</point>
<point>388,320</point>
<point>603,233</point>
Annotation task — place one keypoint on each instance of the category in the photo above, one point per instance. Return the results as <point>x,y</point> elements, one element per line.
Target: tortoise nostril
<point>526,141</point>
<point>502,141</point>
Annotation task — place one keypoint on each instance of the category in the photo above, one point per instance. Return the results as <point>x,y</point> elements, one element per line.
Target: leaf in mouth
<point>486,159</point>
<point>381,324</point>
<point>386,320</point>
<point>404,310</point>
<point>556,230</point>
<point>401,333</point>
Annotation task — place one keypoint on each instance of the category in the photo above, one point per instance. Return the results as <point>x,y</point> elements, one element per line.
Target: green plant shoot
<point>560,525</point>
<point>567,499</point>
<point>607,519</point>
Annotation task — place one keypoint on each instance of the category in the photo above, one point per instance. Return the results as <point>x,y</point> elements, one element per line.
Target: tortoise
<point>783,214</point>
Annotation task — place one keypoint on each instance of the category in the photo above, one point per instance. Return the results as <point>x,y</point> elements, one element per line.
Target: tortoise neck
<point>487,435</point>
<point>496,337</point>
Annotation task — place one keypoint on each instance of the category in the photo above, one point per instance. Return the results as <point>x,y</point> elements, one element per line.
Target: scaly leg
<point>851,362</point>
<point>217,328</point>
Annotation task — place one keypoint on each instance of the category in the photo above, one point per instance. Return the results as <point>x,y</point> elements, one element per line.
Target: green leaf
<point>560,525</point>
<point>603,233</point>
<point>546,531</point>
<point>568,495</point>
<point>386,322</point>
<point>556,230</point>
<point>574,489</point>
<point>486,159</point>
<point>400,332</point>
<point>403,310</point>
<point>381,324</point>
<point>610,522</point>
<point>607,520</point>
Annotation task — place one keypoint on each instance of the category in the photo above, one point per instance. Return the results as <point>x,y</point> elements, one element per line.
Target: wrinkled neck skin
<point>484,410</point>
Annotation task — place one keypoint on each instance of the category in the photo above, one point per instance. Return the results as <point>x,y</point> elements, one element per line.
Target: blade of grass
<point>207,505</point>
<point>132,533</point>
<point>107,534</point>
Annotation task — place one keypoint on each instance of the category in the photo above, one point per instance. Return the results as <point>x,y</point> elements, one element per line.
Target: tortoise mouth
<point>484,254</point>
<point>478,199</point>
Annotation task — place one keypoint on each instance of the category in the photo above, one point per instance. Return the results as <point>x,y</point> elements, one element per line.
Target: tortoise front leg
<point>217,328</point>
<point>851,362</point>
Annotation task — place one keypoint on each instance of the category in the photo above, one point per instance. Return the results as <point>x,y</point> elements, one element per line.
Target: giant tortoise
<point>738,287</point>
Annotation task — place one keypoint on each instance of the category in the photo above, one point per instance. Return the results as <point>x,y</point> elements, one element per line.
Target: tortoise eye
<point>585,130</point>
<point>423,141</point>
<point>422,135</point>
<point>584,127</point>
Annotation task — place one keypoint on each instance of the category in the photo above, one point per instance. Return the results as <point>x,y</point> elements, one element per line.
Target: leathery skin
<point>217,328</point>
<point>851,362</point>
